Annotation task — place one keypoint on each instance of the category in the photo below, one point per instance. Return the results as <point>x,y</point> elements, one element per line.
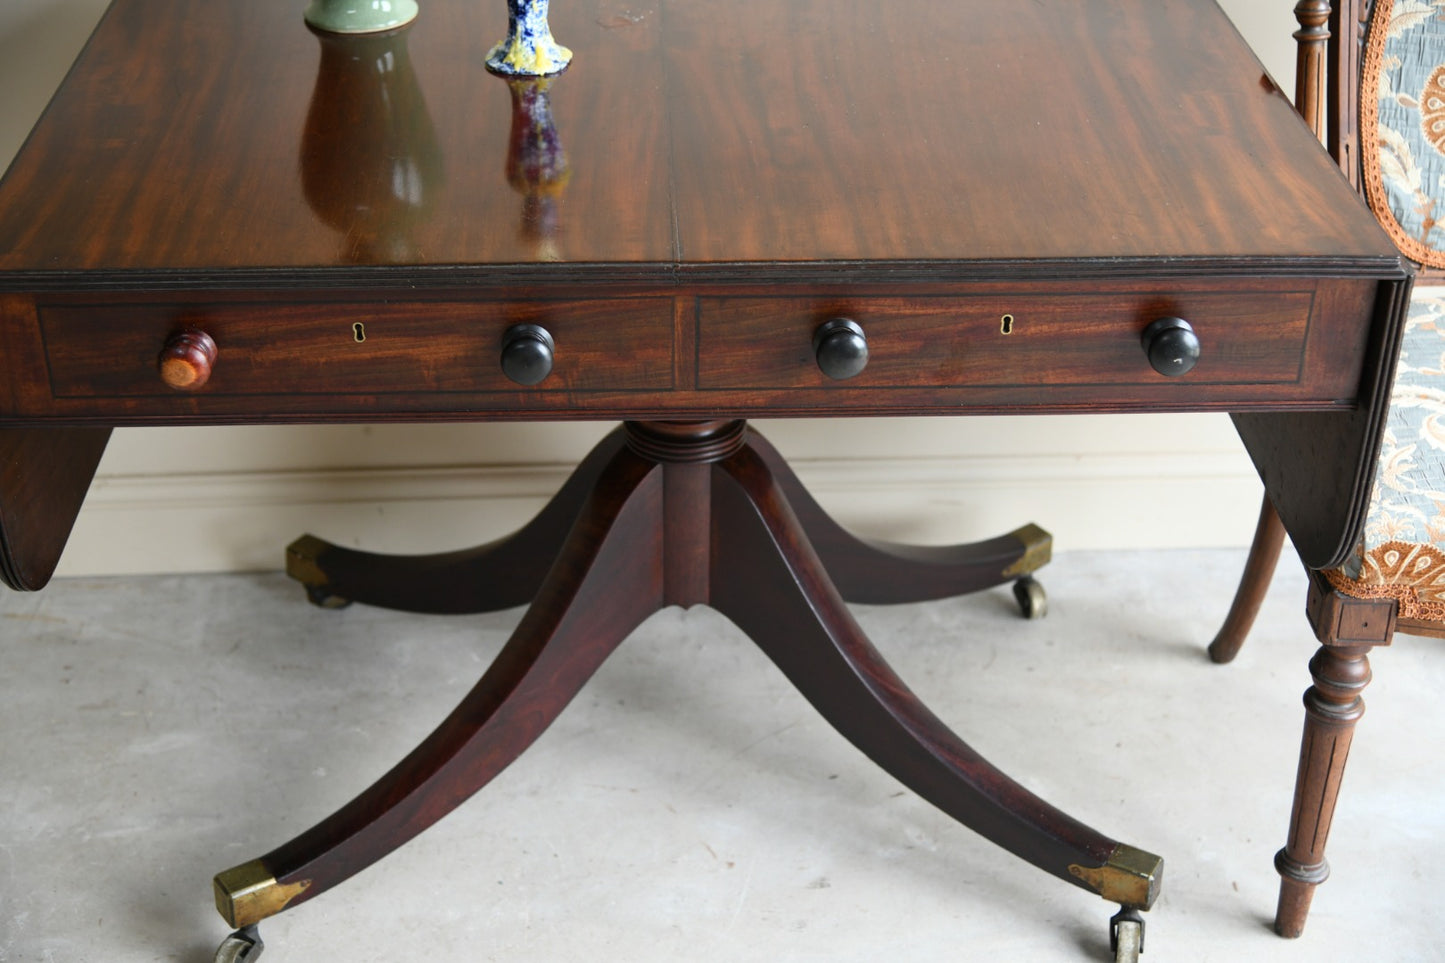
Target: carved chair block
<point>1344,620</point>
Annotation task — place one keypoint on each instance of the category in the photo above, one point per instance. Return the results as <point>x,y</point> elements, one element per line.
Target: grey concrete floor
<point>689,805</point>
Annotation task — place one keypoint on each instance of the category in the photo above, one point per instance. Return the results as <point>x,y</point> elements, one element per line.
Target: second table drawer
<point>1003,340</point>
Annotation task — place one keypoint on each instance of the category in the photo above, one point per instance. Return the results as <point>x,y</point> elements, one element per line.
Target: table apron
<point>1266,344</point>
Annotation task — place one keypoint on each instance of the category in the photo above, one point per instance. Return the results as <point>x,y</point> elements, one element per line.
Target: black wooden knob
<point>840,348</point>
<point>527,354</point>
<point>1172,346</point>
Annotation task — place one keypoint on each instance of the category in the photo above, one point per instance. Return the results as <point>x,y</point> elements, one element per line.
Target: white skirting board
<point>239,520</point>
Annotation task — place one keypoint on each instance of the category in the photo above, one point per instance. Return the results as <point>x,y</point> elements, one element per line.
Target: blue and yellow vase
<point>529,50</point>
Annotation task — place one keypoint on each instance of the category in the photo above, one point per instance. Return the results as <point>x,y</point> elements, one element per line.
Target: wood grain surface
<point>698,135</point>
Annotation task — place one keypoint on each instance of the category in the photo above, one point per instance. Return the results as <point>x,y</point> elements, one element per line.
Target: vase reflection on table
<point>371,165</point>
<point>537,166</point>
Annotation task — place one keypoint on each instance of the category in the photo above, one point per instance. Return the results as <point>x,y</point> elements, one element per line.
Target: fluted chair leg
<point>1348,629</point>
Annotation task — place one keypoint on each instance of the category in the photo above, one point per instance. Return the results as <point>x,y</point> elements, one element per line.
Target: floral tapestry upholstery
<point>1404,166</point>
<point>1402,555</point>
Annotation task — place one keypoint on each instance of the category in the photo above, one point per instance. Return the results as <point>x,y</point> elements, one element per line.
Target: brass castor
<point>242,946</point>
<point>318,596</point>
<point>1126,935</point>
<point>1033,600</point>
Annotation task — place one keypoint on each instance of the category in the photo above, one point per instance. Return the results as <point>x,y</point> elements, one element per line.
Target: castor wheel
<point>318,596</point>
<point>1033,600</point>
<point>242,946</point>
<point>1126,935</point>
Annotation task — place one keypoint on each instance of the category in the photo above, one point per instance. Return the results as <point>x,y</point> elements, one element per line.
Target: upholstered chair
<point>1372,81</point>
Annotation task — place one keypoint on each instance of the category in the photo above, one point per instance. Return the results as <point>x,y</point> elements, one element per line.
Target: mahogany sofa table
<point>719,211</point>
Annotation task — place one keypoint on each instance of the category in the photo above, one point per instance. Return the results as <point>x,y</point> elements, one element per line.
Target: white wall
<point>230,498</point>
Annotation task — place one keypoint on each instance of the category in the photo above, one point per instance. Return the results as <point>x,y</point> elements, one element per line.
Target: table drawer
<point>1001,341</point>
<point>343,348</point>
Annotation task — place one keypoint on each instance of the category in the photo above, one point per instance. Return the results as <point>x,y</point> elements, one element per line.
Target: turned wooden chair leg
<point>767,579</point>
<point>1253,584</point>
<point>875,572</point>
<point>499,575</point>
<point>1348,628</point>
<point>608,579</point>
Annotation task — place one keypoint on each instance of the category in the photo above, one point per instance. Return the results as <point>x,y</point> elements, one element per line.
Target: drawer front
<point>1003,341</point>
<point>339,348</point>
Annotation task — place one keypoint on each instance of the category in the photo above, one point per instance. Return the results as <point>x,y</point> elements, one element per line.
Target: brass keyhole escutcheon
<point>1006,324</point>
<point>358,332</point>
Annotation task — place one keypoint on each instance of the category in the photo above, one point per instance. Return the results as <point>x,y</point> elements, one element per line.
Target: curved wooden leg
<point>1348,628</point>
<point>883,573</point>
<point>608,578</point>
<point>769,581</point>
<point>498,575</point>
<point>1253,584</point>
<point>44,475</point>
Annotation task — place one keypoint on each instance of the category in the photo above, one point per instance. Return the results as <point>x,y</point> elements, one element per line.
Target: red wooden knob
<point>186,360</point>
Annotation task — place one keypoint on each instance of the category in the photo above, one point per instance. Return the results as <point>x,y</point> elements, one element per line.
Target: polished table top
<point>1002,195</point>
<point>700,135</point>
<point>842,138</point>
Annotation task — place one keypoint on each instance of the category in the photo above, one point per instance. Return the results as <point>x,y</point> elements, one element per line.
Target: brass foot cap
<point>248,893</point>
<point>1131,877</point>
<point>1038,549</point>
<point>302,558</point>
